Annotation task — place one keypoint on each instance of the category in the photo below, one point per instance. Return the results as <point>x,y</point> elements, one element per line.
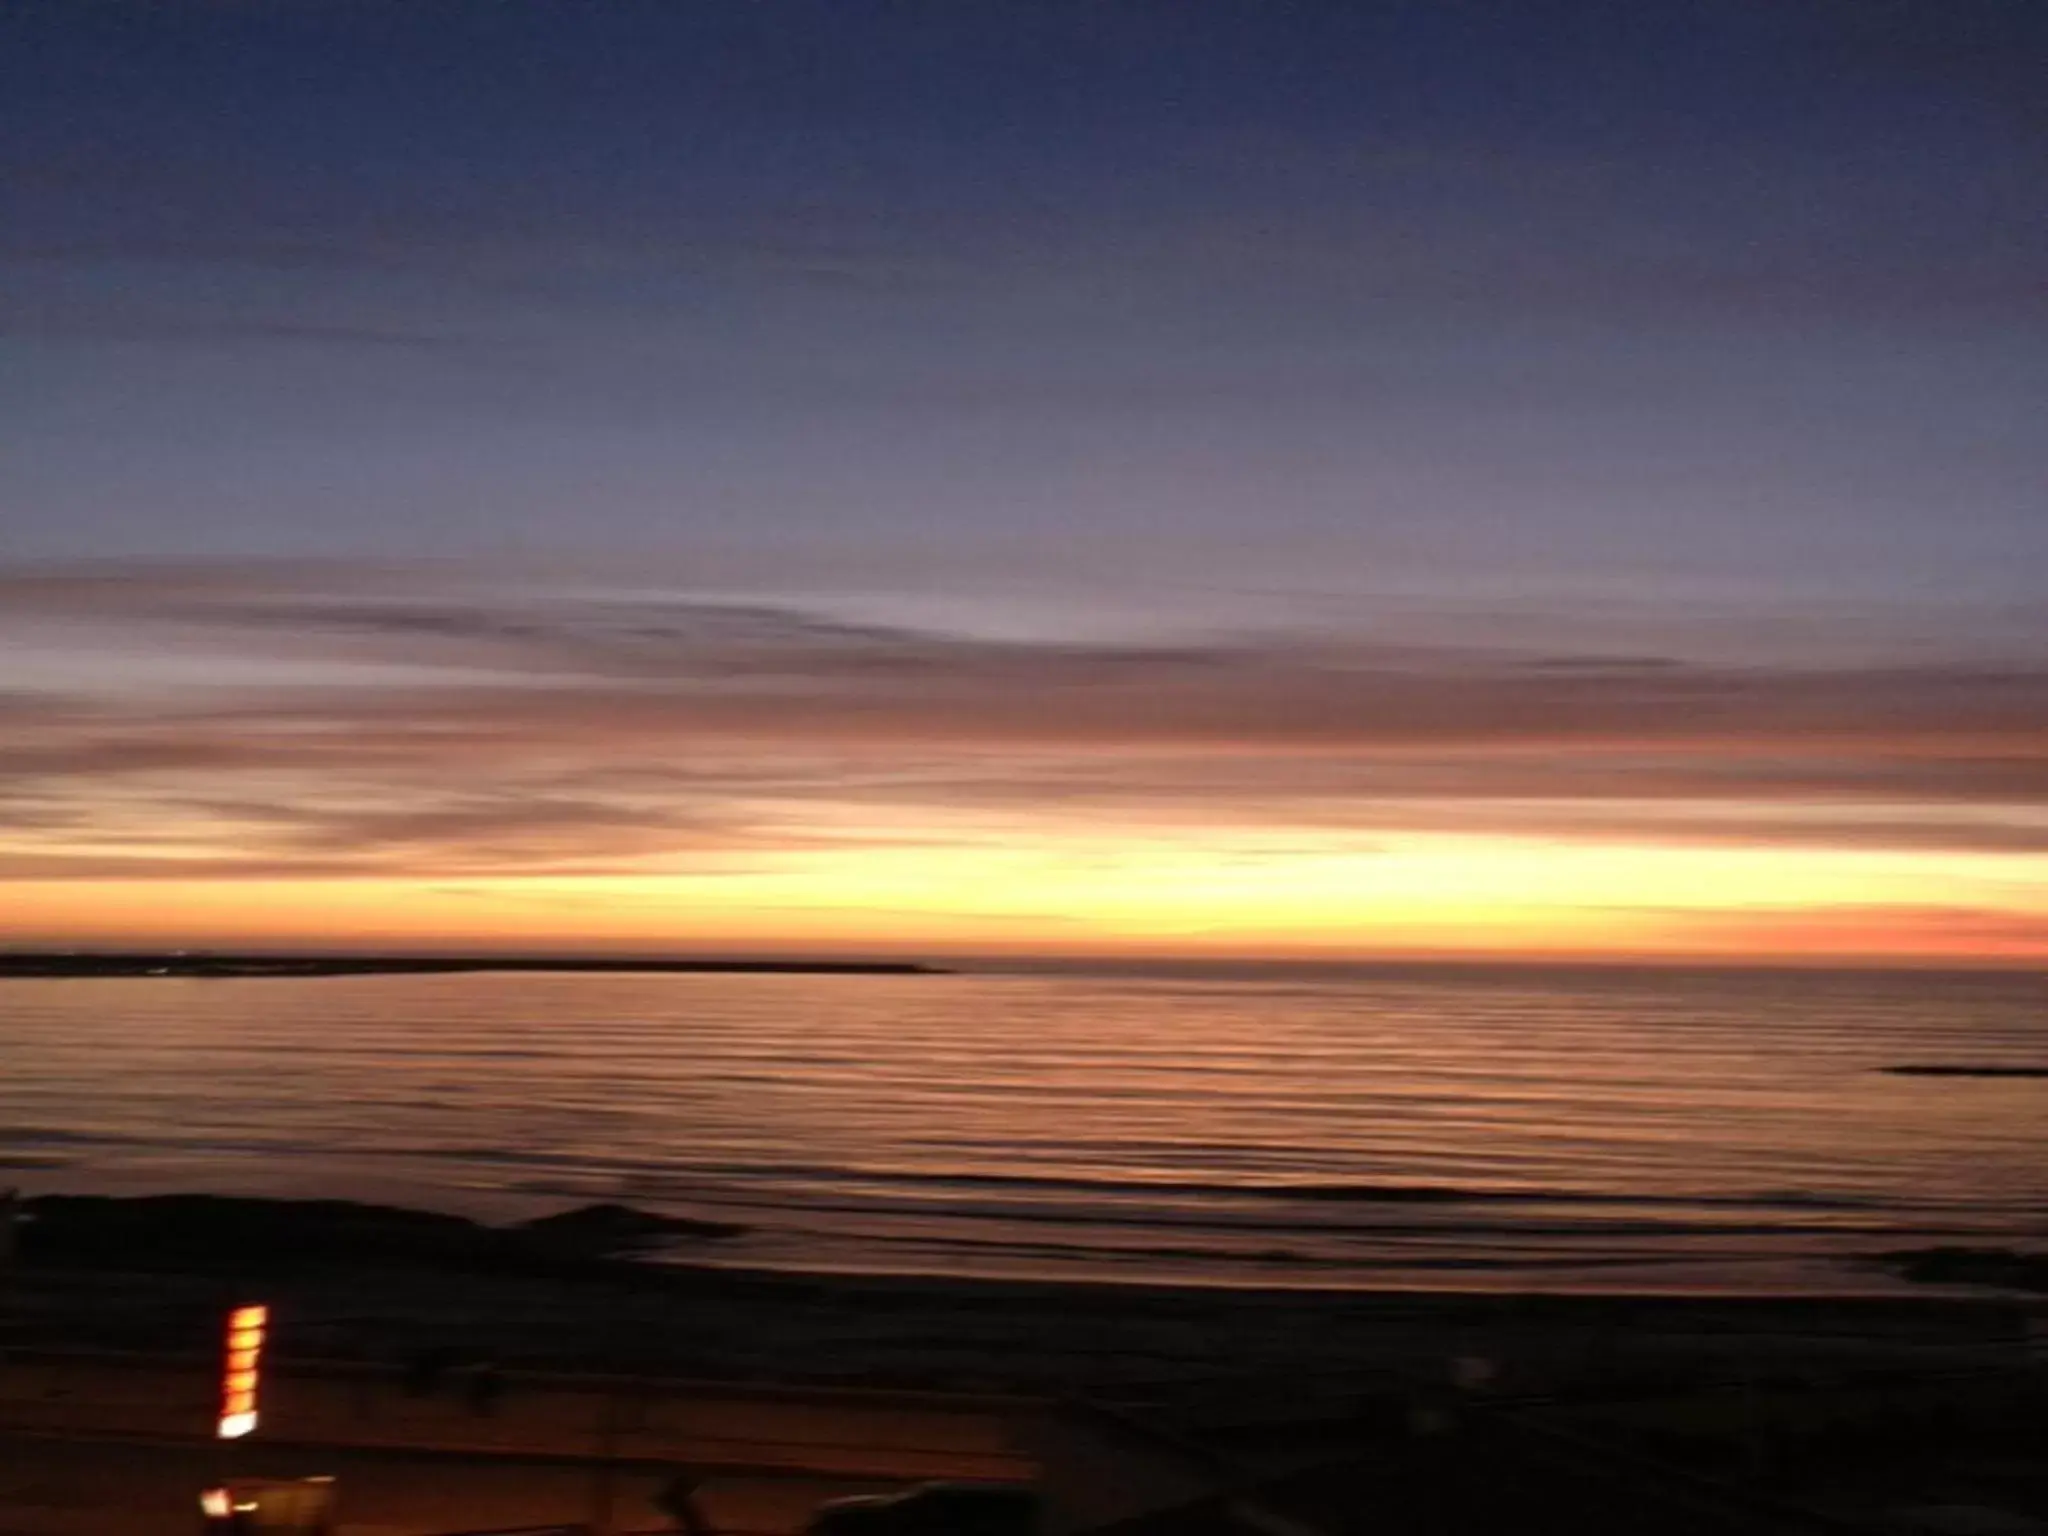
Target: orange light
<point>241,1366</point>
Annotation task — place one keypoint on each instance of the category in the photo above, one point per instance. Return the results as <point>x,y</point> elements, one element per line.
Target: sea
<point>1440,1127</point>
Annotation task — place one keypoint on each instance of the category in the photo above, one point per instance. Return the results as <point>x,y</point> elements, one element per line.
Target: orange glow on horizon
<point>1227,894</point>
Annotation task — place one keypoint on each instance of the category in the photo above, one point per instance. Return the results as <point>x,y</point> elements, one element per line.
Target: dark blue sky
<point>1152,307</point>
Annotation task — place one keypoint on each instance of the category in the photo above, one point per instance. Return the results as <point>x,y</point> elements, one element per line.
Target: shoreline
<point>588,1298</point>
<point>704,1242</point>
<point>1049,1339</point>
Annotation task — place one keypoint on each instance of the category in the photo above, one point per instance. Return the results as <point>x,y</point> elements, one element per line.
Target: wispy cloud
<point>528,731</point>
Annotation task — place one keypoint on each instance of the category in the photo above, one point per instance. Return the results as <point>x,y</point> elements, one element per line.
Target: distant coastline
<point>212,964</point>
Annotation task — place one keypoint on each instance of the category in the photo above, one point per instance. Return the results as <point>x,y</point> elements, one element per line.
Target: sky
<point>1478,477</point>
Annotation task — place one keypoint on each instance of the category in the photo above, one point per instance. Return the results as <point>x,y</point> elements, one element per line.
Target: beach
<point>549,1383</point>
<point>628,1317</point>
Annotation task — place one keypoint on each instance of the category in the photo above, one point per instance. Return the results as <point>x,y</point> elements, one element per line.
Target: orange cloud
<point>759,774</point>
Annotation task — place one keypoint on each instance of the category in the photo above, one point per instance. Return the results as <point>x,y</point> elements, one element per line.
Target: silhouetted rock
<point>157,1228</point>
<point>1971,1266</point>
<point>229,1234</point>
<point>610,1228</point>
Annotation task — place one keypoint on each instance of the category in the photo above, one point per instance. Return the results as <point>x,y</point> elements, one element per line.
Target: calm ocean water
<point>1390,1126</point>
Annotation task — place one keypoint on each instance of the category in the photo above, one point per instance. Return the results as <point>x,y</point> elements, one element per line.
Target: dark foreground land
<point>211,964</point>
<point>564,1343</point>
<point>609,1286</point>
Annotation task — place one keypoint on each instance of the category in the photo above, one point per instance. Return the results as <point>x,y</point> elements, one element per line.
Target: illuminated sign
<point>241,1368</point>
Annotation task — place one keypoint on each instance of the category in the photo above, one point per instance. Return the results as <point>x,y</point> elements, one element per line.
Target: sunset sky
<point>851,476</point>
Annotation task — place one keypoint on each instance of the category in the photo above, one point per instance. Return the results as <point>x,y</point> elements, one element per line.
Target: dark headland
<point>212,963</point>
